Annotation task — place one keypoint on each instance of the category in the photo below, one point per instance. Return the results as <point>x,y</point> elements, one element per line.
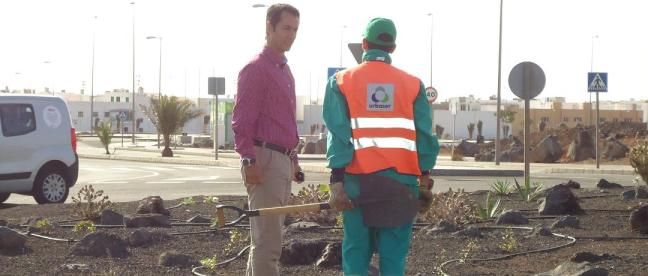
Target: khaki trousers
<point>266,232</point>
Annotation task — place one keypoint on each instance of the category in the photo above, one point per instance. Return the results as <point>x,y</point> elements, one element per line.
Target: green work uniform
<point>360,241</point>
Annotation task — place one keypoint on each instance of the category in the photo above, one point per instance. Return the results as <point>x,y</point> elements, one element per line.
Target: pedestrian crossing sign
<point>597,82</point>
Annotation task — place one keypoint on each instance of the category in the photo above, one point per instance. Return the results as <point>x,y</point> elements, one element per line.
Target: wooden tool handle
<point>220,214</point>
<point>313,207</point>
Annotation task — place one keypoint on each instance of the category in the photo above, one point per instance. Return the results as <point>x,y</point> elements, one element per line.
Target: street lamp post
<point>49,62</point>
<point>498,114</point>
<point>92,79</point>
<point>431,40</point>
<point>133,99</point>
<point>160,82</point>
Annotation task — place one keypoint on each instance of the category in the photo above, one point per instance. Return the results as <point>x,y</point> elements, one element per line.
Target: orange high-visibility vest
<point>381,108</point>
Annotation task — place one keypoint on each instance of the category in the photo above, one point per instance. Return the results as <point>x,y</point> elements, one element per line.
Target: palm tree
<point>169,114</point>
<point>104,131</point>
<point>471,130</point>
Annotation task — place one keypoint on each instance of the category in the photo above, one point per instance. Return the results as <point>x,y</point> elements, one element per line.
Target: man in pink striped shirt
<point>265,135</point>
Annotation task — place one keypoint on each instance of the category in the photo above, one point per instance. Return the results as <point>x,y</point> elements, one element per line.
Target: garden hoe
<point>384,203</point>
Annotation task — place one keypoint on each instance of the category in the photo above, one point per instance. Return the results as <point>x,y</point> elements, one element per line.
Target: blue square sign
<point>597,82</point>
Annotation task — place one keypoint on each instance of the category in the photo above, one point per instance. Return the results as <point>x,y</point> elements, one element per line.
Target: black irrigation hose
<point>195,269</point>
<point>586,210</point>
<point>571,242</point>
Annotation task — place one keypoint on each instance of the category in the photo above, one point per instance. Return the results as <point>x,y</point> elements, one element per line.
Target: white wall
<point>445,118</point>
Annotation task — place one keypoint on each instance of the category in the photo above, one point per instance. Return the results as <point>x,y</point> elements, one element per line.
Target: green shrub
<point>84,227</point>
<point>490,209</point>
<point>88,203</point>
<point>530,191</point>
<point>639,159</point>
<point>501,188</point>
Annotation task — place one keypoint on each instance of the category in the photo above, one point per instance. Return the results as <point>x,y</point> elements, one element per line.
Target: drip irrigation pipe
<point>572,240</point>
<point>223,263</point>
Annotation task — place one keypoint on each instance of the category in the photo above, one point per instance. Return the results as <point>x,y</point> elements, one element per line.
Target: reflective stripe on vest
<point>358,123</point>
<point>385,143</point>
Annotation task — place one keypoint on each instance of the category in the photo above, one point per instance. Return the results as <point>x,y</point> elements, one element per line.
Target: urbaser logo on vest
<point>380,97</point>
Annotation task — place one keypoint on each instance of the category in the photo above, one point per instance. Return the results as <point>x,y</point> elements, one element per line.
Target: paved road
<point>129,181</point>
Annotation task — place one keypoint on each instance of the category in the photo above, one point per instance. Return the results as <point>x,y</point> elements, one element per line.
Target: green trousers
<point>360,241</point>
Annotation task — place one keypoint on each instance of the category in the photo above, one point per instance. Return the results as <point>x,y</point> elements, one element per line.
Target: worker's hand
<point>425,193</point>
<point>339,199</point>
<point>252,175</point>
<point>298,175</point>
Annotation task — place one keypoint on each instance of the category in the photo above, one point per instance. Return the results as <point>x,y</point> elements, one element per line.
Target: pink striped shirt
<point>265,104</point>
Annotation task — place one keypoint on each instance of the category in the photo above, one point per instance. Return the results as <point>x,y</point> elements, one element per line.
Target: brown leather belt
<point>274,147</point>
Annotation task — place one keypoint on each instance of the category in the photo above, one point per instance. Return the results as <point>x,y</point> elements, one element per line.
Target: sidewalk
<point>317,162</point>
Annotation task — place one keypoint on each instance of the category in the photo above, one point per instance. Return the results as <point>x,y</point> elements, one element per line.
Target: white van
<point>37,148</point>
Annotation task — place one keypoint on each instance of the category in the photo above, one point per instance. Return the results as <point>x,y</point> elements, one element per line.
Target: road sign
<point>122,115</point>
<point>356,51</point>
<point>431,94</point>
<point>216,86</point>
<point>597,82</point>
<point>526,80</point>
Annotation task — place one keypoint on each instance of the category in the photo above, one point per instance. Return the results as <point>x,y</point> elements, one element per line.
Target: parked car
<point>37,148</point>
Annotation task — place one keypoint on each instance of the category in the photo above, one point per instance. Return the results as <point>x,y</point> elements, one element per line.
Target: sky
<point>50,43</point>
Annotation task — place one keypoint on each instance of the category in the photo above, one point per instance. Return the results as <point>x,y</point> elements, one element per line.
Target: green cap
<point>379,26</point>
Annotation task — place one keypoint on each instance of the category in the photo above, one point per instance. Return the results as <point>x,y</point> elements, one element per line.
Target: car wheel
<point>4,197</point>
<point>50,186</point>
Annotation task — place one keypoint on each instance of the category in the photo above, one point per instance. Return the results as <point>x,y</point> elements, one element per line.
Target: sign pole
<point>596,135</point>
<point>215,127</point>
<point>527,133</point>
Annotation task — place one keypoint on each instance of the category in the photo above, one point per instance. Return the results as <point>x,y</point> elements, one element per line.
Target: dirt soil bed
<point>606,216</point>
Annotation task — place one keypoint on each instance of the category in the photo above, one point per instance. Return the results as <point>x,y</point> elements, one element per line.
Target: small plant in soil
<point>88,203</point>
<point>188,201</point>
<point>530,191</point>
<point>84,227</point>
<point>44,226</point>
<point>508,243</point>
<point>314,194</point>
<point>210,200</point>
<point>214,223</point>
<point>209,264</point>
<point>236,240</point>
<point>451,206</point>
<point>501,187</point>
<point>490,209</point>
<point>468,250</point>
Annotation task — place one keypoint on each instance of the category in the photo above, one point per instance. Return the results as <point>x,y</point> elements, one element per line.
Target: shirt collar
<point>376,55</point>
<point>274,57</point>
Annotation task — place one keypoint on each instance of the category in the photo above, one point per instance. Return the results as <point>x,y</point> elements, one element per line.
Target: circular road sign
<point>526,80</point>
<point>431,94</point>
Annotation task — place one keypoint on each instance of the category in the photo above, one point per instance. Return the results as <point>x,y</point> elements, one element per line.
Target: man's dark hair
<point>383,37</point>
<point>275,11</point>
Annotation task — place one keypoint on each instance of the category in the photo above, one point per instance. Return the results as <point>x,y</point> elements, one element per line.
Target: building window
<point>578,119</point>
<point>118,99</point>
<point>80,114</point>
<point>95,114</point>
<point>112,99</point>
<point>126,99</point>
<point>106,114</point>
<point>566,119</point>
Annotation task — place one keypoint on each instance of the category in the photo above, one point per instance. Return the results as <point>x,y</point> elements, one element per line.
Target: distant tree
<point>506,129</point>
<point>104,132</point>
<point>169,115</point>
<point>439,131</point>
<point>471,130</point>
<point>480,126</point>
